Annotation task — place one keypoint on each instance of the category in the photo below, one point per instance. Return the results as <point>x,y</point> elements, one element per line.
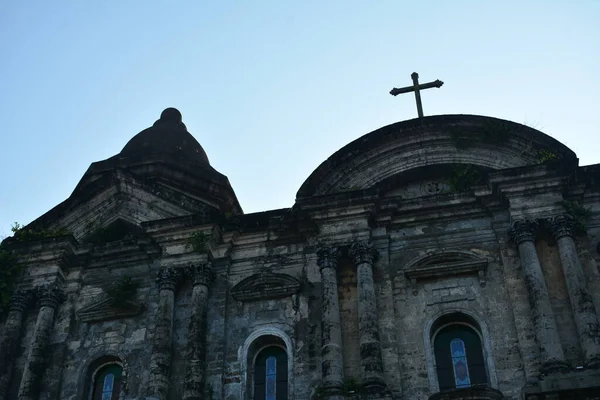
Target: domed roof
<point>168,136</point>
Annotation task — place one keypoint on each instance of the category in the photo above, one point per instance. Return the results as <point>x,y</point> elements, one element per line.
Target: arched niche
<point>256,342</point>
<point>458,317</point>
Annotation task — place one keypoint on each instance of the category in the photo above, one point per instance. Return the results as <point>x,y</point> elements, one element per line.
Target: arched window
<point>458,357</point>
<point>270,374</point>
<point>105,380</point>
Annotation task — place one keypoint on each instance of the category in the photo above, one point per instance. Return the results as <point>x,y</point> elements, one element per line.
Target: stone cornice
<point>106,310</point>
<point>447,269</point>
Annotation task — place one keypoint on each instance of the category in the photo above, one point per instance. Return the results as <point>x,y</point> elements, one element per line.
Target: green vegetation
<point>463,177</point>
<point>197,241</point>
<point>29,235</point>
<point>580,215</point>
<point>544,156</point>
<point>122,291</point>
<point>10,269</point>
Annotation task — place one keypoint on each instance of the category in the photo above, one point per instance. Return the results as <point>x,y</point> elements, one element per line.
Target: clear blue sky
<point>272,88</point>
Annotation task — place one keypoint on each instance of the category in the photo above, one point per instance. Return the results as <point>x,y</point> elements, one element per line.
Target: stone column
<point>552,356</point>
<point>332,363</point>
<point>364,255</point>
<point>584,313</point>
<point>201,276</point>
<point>160,362</point>
<point>10,339</point>
<point>49,297</point>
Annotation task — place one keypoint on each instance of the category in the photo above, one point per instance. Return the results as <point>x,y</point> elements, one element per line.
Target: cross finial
<point>416,87</point>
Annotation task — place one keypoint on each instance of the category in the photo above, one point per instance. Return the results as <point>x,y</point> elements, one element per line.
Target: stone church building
<point>445,257</point>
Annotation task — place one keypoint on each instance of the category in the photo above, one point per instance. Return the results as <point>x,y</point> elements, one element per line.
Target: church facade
<point>446,257</point>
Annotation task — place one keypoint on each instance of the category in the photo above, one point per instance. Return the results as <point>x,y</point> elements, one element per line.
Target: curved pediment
<point>445,263</point>
<point>485,142</point>
<point>264,286</point>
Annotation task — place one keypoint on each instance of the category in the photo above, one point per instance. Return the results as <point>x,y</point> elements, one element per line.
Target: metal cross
<point>416,88</point>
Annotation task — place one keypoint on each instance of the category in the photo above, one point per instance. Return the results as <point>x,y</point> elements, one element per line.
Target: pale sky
<point>271,89</point>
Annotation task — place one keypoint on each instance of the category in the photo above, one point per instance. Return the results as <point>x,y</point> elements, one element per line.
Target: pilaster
<point>10,340</point>
<point>49,297</point>
<point>331,347</point>
<point>160,361</point>
<point>584,312</point>
<point>551,352</point>
<point>365,255</point>
<point>201,276</point>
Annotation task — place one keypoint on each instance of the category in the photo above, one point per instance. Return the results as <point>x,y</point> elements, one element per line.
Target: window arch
<point>458,353</point>
<point>107,382</point>
<point>105,379</point>
<point>270,374</point>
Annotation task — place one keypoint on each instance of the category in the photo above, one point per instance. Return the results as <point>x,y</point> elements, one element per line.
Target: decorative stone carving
<point>363,252</point>
<point>266,285</point>
<point>447,269</point>
<point>50,295</point>
<point>523,230</point>
<point>562,225</point>
<point>168,278</point>
<point>201,274</point>
<point>105,310</point>
<point>327,257</point>
<point>20,300</point>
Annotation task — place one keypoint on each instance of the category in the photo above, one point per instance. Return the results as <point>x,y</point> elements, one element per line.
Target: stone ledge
<point>472,393</point>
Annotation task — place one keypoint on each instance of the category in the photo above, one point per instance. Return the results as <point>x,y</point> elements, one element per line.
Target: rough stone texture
<point>444,256</point>
<point>551,352</point>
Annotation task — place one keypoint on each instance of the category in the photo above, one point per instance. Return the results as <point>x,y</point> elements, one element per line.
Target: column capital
<point>20,300</point>
<point>327,257</point>
<point>50,295</point>
<point>168,278</point>
<point>363,252</point>
<point>523,230</point>
<point>562,225</point>
<point>200,274</point>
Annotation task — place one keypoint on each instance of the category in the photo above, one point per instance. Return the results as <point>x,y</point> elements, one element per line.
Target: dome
<point>168,136</point>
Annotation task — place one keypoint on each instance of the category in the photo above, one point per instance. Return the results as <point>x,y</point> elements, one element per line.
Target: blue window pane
<point>459,363</point>
<point>108,383</point>
<point>106,395</point>
<point>271,379</point>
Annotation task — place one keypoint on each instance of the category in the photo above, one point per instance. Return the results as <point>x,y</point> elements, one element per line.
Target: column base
<point>554,366</point>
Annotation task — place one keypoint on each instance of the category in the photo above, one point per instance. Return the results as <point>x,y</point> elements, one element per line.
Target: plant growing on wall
<point>22,234</point>
<point>463,177</point>
<point>580,215</point>
<point>197,241</point>
<point>544,156</point>
<point>123,290</point>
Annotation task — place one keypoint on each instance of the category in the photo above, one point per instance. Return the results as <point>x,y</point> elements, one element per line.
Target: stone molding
<point>523,231</point>
<point>562,225</point>
<point>265,285</point>
<point>476,392</point>
<point>200,274</point>
<point>50,295</point>
<point>168,278</point>
<point>447,269</point>
<point>363,252</point>
<point>327,257</point>
<point>105,310</point>
<point>21,300</point>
